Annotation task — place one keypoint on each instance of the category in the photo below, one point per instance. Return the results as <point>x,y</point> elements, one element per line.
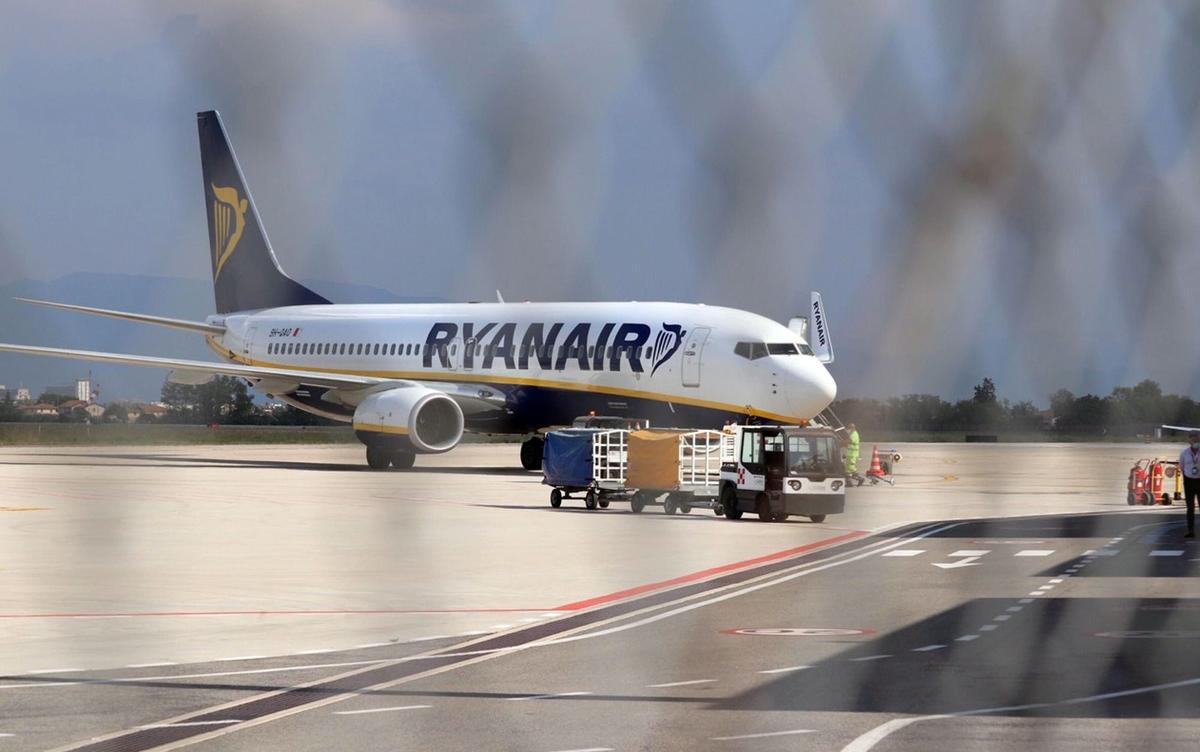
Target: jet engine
<point>425,420</point>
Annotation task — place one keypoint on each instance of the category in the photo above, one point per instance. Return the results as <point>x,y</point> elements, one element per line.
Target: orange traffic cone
<point>876,467</point>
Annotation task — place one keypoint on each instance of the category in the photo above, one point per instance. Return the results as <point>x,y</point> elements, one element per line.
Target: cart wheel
<point>669,506</point>
<point>556,498</point>
<point>685,508</point>
<point>817,517</point>
<point>718,510</point>
<point>1148,499</point>
<point>589,501</point>
<point>603,503</point>
<point>781,517</point>
<point>763,507</point>
<point>1166,500</point>
<point>637,503</point>
<point>1130,499</point>
<point>729,504</point>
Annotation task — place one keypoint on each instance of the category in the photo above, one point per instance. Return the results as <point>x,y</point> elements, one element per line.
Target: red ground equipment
<point>1154,481</point>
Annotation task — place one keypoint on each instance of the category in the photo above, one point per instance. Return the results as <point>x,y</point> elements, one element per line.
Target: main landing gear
<point>531,453</point>
<point>380,458</point>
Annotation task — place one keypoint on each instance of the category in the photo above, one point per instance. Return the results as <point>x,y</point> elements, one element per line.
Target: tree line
<point>1127,411</point>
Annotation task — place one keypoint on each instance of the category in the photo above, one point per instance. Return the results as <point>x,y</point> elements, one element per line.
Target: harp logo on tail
<point>228,221</point>
<point>667,342</point>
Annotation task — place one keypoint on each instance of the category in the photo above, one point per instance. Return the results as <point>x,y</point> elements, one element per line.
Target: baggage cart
<point>685,466</point>
<point>587,462</point>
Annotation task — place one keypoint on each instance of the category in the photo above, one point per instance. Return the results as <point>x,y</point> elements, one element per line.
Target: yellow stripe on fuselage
<point>380,428</point>
<point>480,378</point>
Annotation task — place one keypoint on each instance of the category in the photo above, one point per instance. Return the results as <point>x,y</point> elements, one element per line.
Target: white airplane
<point>411,378</point>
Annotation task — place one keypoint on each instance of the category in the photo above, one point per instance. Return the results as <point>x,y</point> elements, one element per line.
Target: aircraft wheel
<point>531,453</point>
<point>817,517</point>
<point>402,460</point>
<point>729,504</point>
<point>378,458</point>
<point>589,501</point>
<point>556,498</point>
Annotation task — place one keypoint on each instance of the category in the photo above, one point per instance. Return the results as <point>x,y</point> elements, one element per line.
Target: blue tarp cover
<point>567,458</point>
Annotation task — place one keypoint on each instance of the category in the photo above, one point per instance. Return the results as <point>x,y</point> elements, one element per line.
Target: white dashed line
<point>1037,592</point>
<point>1056,581</point>
<point>680,683</point>
<point>501,626</point>
<point>303,652</point>
<point>588,749</point>
<point>966,638</point>
<point>928,648</point>
<point>784,670</point>
<point>871,658</point>
<point>1166,552</point>
<point>546,697</point>
<point>1046,587</point>
<point>191,723</point>
<point>1015,609</point>
<point>1035,552</point>
<point>1025,601</point>
<point>56,670</point>
<point>160,664</point>
<point>6,735</point>
<point>761,736</point>
<point>989,627</point>
<point>372,645</point>
<point>905,552</point>
<point>381,710</point>
<point>1002,617</point>
<point>968,552</point>
<point>244,658</point>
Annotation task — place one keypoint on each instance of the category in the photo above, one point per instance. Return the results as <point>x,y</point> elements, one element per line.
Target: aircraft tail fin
<point>246,275</point>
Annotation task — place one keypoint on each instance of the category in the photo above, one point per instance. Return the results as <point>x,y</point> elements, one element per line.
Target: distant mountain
<point>163,296</point>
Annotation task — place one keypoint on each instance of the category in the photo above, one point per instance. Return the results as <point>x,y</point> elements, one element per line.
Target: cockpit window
<point>751,350</point>
<point>782,348</point>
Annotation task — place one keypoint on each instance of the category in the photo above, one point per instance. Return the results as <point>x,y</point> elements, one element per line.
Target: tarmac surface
<point>285,597</point>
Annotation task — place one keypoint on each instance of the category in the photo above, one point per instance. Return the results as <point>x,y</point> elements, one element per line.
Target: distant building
<point>83,390</point>
<point>39,408</point>
<point>95,410</point>
<point>23,395</point>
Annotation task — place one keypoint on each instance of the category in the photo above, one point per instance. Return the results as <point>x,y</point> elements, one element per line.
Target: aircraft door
<point>248,340</point>
<point>692,354</point>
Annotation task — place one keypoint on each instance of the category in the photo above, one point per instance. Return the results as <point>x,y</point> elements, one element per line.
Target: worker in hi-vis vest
<point>852,450</point>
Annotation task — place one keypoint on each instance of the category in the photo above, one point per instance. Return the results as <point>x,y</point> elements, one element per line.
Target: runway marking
<point>242,658</point>
<point>928,648</point>
<point>989,627</point>
<point>705,573</point>
<point>783,670</point>
<point>159,664</point>
<point>970,552</point>
<point>966,638</point>
<point>905,552</point>
<point>871,658</point>
<point>546,696</point>
<point>206,675</point>
<point>1166,552</point>
<point>1035,552</point>
<point>867,741</point>
<point>312,612</point>
<point>1002,617</point>
<point>680,683</point>
<point>1025,601</point>
<point>56,671</point>
<point>381,710</point>
<point>1046,587</point>
<point>588,749</point>
<point>763,735</point>
<point>1056,581</point>
<point>367,645</point>
<point>191,723</point>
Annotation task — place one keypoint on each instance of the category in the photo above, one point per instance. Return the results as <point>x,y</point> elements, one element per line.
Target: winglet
<point>821,343</point>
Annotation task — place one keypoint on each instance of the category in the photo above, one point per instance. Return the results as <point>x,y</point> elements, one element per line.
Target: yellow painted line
<point>477,378</point>
<point>381,428</point>
<point>24,509</point>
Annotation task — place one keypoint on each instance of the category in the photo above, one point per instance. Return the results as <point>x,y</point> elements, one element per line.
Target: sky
<point>1006,190</point>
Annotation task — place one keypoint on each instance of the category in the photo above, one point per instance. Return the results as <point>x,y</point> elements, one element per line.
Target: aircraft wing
<point>313,378</point>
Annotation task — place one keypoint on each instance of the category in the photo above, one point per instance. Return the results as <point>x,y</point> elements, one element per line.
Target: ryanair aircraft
<point>412,378</point>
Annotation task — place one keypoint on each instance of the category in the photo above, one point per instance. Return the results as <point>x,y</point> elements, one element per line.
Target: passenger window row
<point>342,348</point>
<point>407,349</point>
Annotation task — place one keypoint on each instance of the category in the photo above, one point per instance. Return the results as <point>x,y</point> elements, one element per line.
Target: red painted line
<point>705,573</point>
<point>315,612</point>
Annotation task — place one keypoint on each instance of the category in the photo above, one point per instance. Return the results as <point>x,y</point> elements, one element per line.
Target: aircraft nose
<point>813,391</point>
